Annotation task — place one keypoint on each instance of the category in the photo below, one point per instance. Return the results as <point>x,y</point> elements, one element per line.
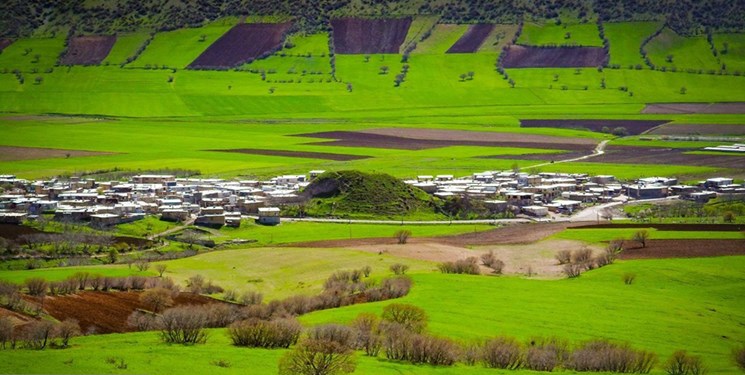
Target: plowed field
<point>472,40</point>
<point>554,57</point>
<point>88,50</point>
<point>633,127</point>
<point>241,44</point>
<point>356,35</point>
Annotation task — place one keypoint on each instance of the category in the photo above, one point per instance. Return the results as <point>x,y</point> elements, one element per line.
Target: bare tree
<point>38,334</point>
<point>641,236</point>
<point>410,317</point>
<point>142,265</point>
<point>66,330</point>
<point>37,286</point>
<point>490,260</point>
<point>183,325</point>
<point>195,284</point>
<point>563,256</point>
<point>399,269</point>
<point>156,298</point>
<point>6,331</point>
<point>403,236</point>
<point>161,268</point>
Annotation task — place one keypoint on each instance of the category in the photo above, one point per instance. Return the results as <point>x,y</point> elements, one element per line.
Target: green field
<point>178,48</point>
<point>498,38</point>
<point>31,54</point>
<point>443,37</point>
<point>581,34</point>
<point>686,52</point>
<point>734,55</point>
<point>125,47</point>
<point>605,235</point>
<point>625,40</point>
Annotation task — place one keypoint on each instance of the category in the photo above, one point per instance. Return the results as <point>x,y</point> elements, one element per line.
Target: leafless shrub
<point>681,363</point>
<point>410,317</point>
<point>572,270</point>
<point>738,355</point>
<point>219,314</point>
<point>142,321</point>
<point>581,256</point>
<point>38,334</point>
<point>503,353</point>
<point>37,286</point>
<point>403,236</point>
<point>366,271</point>
<point>195,284</point>
<point>641,236</point>
<point>212,288</point>
<point>396,340</point>
<point>156,299</point>
<point>142,265</point>
<point>344,336</point>
<point>96,282</point>
<point>470,354</point>
<point>395,287</point>
<point>107,284</point>
<point>399,269</point>
<point>7,331</point>
<point>468,266</point>
<point>161,268</point>
<point>317,358</point>
<point>628,278</point>
<point>252,298</point>
<point>563,256</point>
<point>183,325</point>
<point>66,330</point>
<point>368,338</point>
<point>490,260</point>
<point>600,355</point>
<point>81,278</point>
<point>431,350</point>
<point>278,333</point>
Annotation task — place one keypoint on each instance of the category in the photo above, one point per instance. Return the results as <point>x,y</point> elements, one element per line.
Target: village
<point>221,202</point>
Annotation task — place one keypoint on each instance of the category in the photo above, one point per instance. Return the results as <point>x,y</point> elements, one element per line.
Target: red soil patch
<point>107,312</point>
<point>356,35</point>
<point>296,154</point>
<point>554,57</point>
<point>472,39</point>
<point>10,153</point>
<point>683,249</point>
<point>711,108</point>
<point>633,127</point>
<point>241,44</point>
<point>695,129</point>
<point>88,50</point>
<point>421,139</point>
<point>4,43</point>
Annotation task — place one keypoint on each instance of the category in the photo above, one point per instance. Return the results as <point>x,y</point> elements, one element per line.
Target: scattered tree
<point>403,236</point>
<point>681,363</point>
<point>490,260</point>
<point>683,90</point>
<point>399,269</point>
<point>66,330</point>
<point>156,298</point>
<point>641,236</point>
<point>410,317</point>
<point>183,325</point>
<point>628,278</point>
<point>384,69</point>
<point>317,357</point>
<point>161,268</point>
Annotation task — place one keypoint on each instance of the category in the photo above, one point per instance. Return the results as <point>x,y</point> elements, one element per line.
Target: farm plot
<point>632,127</point>
<point>296,154</point>
<point>126,47</point>
<point>625,39</point>
<point>691,129</point>
<point>31,54</point>
<point>356,35</point>
<point>688,248</point>
<point>690,108</point>
<point>9,153</point>
<point>418,30</point>
<point>498,38</point>
<point>420,139</point>
<point>107,312</point>
<point>243,43</point>
<point>666,156</point>
<point>731,48</point>
<point>472,40</point>
<point>683,53</point>
<point>554,57</point>
<point>88,50</point>
<point>442,37</point>
<point>582,34</point>
<point>4,43</point>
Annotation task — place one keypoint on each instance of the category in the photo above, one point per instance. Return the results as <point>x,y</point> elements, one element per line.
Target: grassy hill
<point>360,194</point>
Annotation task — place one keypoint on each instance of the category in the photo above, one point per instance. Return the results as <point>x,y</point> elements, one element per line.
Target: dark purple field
<point>633,127</point>
<point>356,35</point>
<point>472,39</point>
<point>88,50</point>
<point>241,44</point>
<point>554,57</point>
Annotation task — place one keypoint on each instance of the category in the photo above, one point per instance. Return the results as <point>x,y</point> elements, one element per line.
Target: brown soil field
<point>421,139</point>
<point>554,57</point>
<point>296,154</point>
<point>241,44</point>
<point>107,312</point>
<point>11,153</point>
<point>695,129</point>
<point>4,43</point>
<point>673,227</point>
<point>666,156</point>
<point>17,318</point>
<point>88,50</point>
<point>356,35</point>
<point>472,40</point>
<point>711,108</point>
<point>683,249</point>
<point>633,127</point>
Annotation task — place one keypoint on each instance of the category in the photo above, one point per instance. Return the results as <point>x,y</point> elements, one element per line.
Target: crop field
<point>178,48</point>
<point>355,36</point>
<point>672,50</point>
<point>88,50</point>
<point>126,46</point>
<point>554,57</point>
<point>731,49</point>
<point>242,43</point>
<point>579,34</point>
<point>498,38</point>
<point>32,53</point>
<point>443,37</point>
<point>625,40</point>
<point>472,40</point>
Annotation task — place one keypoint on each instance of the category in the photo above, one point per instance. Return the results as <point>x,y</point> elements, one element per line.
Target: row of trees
<point>38,334</point>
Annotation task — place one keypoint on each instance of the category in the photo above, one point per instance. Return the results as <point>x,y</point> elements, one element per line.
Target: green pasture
<point>733,56</point>
<point>689,304</point>
<point>686,52</point>
<point>61,273</point>
<point>498,38</point>
<point>608,234</point>
<point>582,34</point>
<point>419,27</point>
<point>125,47</point>
<point>178,48</point>
<point>625,40</point>
<point>31,54</point>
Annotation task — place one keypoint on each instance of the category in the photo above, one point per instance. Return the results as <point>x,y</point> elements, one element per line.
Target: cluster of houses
<point>219,202</point>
